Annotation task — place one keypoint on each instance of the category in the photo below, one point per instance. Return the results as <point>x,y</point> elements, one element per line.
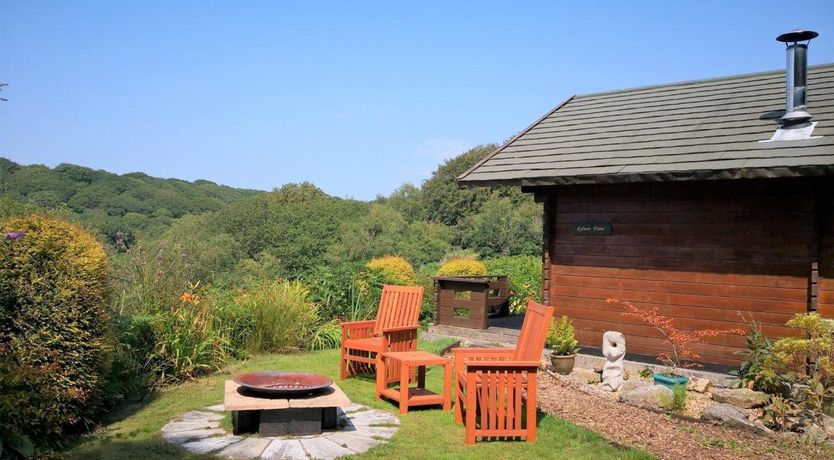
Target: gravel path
<point>664,436</point>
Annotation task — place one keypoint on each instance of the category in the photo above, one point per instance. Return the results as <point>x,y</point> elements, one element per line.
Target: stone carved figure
<point>614,349</point>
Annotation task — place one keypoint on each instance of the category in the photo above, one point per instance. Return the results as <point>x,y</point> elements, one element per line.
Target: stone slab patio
<point>358,430</point>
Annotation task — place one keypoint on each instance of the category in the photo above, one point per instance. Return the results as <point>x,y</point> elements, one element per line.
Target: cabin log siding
<point>703,253</point>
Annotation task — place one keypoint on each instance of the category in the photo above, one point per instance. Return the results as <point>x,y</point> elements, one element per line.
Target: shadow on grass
<point>116,414</point>
<point>107,448</point>
<point>128,409</point>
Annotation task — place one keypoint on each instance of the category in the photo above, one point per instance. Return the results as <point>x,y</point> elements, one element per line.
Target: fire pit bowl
<point>282,383</point>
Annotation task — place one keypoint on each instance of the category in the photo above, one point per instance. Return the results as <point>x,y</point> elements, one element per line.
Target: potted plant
<point>680,342</point>
<point>562,342</point>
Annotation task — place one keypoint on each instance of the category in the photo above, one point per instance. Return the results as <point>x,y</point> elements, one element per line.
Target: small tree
<point>810,355</point>
<point>681,354</point>
<point>561,337</point>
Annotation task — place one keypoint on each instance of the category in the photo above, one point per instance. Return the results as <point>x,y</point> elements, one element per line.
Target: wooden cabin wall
<point>709,254</point>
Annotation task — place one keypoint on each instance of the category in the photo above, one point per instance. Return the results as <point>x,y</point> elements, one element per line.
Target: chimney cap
<point>797,35</point>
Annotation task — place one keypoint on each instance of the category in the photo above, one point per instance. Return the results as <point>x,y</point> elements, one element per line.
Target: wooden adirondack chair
<point>395,329</point>
<point>492,381</point>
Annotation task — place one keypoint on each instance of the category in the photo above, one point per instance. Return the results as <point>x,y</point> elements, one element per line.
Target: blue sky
<point>357,97</point>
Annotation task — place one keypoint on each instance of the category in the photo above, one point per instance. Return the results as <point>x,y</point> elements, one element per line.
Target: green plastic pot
<point>669,380</point>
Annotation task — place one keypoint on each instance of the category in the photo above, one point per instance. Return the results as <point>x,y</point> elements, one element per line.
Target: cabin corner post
<point>548,213</point>
<point>816,246</point>
<point>822,265</point>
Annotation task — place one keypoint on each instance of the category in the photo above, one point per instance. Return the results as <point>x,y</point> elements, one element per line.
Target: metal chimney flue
<point>796,76</point>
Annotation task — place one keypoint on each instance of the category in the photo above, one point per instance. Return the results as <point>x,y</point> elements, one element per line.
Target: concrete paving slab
<point>248,448</point>
<point>320,447</point>
<point>182,437</point>
<point>172,427</point>
<point>198,416</point>
<point>289,449</point>
<point>204,446</point>
<point>353,441</point>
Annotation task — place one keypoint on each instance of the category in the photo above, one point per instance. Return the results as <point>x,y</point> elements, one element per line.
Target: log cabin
<point>711,200</point>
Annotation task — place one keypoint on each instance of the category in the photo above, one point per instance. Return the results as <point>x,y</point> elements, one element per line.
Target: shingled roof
<point>708,129</point>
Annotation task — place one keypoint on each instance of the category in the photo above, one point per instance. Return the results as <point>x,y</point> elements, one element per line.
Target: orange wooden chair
<point>395,329</point>
<point>492,381</point>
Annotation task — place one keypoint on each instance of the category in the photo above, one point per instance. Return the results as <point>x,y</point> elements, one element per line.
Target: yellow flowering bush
<point>394,269</point>
<point>462,267</point>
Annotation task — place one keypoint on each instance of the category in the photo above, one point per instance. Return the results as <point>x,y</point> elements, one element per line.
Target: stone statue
<point>613,348</point>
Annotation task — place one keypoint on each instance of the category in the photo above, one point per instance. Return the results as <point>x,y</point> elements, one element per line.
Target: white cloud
<point>426,157</point>
<point>439,149</point>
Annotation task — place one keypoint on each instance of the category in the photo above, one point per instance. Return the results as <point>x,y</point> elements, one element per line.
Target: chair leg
<point>458,404</point>
<point>381,384</point>
<point>343,366</point>
<point>470,411</point>
<point>531,407</point>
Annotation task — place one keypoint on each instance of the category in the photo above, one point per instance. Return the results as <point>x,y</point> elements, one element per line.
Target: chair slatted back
<point>533,332</point>
<point>399,306</point>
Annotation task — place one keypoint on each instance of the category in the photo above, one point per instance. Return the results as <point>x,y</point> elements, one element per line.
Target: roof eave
<point>661,176</point>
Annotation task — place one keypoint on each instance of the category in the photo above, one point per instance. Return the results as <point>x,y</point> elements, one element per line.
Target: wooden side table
<point>419,396</point>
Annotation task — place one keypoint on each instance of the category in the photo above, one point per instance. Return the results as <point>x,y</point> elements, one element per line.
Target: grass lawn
<point>423,433</point>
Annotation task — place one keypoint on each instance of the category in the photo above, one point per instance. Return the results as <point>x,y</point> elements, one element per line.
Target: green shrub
<point>327,335</point>
<point>348,292</point>
<point>132,373</point>
<point>677,402</point>
<point>193,336</point>
<point>393,270</point>
<point>524,274</point>
<point>462,267</point>
<point>753,373</point>
<point>425,277</point>
<point>561,337</point>
<point>190,343</point>
<point>815,344</point>
<point>54,327</point>
<point>283,317</point>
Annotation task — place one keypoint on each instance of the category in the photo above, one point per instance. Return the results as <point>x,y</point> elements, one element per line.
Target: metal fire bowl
<point>282,383</point>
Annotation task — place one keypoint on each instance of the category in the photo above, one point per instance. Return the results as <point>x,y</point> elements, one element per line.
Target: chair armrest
<point>357,324</point>
<point>474,366</point>
<point>483,351</point>
<point>464,356</point>
<point>400,329</point>
<point>356,329</point>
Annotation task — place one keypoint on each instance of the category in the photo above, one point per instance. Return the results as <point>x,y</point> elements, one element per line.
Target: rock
<point>614,349</point>
<point>731,416</point>
<point>699,385</point>
<point>646,396</point>
<point>581,375</point>
<point>799,392</point>
<point>631,384</point>
<point>744,398</point>
<point>598,368</point>
<point>814,434</point>
<point>828,425</point>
